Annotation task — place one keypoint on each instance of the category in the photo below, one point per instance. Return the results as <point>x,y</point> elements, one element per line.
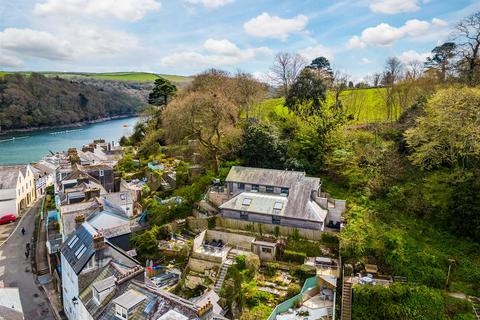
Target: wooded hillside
<point>36,101</point>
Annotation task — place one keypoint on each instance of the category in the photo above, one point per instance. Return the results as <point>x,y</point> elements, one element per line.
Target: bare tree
<point>391,75</point>
<point>248,91</point>
<point>338,84</point>
<point>206,111</point>
<point>414,70</point>
<point>202,116</point>
<point>285,69</point>
<point>467,35</point>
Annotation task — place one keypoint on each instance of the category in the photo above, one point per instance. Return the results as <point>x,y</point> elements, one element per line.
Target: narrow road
<point>16,271</point>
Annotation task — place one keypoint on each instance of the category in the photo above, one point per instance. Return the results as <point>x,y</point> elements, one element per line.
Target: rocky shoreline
<point>70,125</point>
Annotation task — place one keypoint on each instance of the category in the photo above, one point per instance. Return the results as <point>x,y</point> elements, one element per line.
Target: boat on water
<point>125,125</point>
<point>14,138</point>
<point>65,131</point>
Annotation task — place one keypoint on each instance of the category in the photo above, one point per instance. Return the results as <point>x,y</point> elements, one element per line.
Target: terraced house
<point>17,188</point>
<point>287,199</point>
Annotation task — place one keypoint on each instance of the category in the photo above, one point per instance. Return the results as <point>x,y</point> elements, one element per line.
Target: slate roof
<point>9,175</point>
<point>110,223</point>
<point>298,204</point>
<point>74,244</point>
<point>156,304</point>
<point>70,211</point>
<point>268,177</point>
<point>263,203</point>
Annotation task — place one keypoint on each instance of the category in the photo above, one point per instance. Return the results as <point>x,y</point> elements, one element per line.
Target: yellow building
<point>17,188</point>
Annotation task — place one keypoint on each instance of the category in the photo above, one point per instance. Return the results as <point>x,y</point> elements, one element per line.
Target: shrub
<point>293,256</point>
<point>276,231</point>
<point>303,272</point>
<point>252,262</point>
<point>311,249</point>
<point>212,222</point>
<point>330,239</point>
<point>271,268</point>
<point>241,262</point>
<point>398,301</point>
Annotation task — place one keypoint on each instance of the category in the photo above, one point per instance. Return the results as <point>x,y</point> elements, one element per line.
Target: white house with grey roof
<point>101,282</point>
<point>279,197</point>
<point>17,188</point>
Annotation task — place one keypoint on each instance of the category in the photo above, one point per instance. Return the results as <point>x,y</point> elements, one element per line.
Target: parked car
<point>7,218</point>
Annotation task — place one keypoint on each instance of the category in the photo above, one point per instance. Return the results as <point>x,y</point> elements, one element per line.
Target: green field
<point>120,76</point>
<point>365,105</point>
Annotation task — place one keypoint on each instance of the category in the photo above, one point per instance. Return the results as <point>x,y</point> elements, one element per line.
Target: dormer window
<point>269,189</point>
<point>284,191</point>
<point>101,289</point>
<point>121,312</point>
<point>255,188</point>
<point>126,302</point>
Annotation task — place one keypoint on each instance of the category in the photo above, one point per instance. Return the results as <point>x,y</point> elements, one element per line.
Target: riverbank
<point>31,147</point>
<point>69,125</point>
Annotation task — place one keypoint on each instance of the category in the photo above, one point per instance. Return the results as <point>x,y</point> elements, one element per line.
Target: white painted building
<point>17,188</point>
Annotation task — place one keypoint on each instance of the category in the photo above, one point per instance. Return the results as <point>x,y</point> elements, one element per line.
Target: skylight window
<point>80,251</point>
<point>278,206</point>
<point>246,202</point>
<point>72,241</point>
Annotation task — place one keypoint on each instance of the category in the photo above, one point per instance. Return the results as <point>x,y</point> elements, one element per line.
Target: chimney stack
<point>79,219</point>
<point>98,241</point>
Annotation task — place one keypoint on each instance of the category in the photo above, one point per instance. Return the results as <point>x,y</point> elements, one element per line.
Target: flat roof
<point>129,299</point>
<point>173,315</point>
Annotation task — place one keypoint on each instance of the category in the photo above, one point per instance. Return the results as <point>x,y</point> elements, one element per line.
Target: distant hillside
<point>35,101</point>
<point>120,76</point>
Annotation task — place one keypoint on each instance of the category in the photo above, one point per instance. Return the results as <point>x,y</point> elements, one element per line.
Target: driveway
<point>15,270</point>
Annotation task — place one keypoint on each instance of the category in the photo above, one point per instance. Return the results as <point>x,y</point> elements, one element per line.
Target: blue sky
<point>187,36</point>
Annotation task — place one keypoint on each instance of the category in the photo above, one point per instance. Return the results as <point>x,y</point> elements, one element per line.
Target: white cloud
<point>224,47</point>
<point>73,42</point>
<point>355,43</point>
<point>7,61</point>
<point>90,41</point>
<point>267,26</point>
<point>439,22</point>
<point>384,35</point>
<point>366,61</point>
<point>209,3</point>
<point>413,56</point>
<point>311,53</point>
<point>218,53</point>
<point>395,6</point>
<point>130,10</point>
<point>35,43</point>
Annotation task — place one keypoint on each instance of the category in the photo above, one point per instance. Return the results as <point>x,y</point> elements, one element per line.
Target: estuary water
<point>27,147</point>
